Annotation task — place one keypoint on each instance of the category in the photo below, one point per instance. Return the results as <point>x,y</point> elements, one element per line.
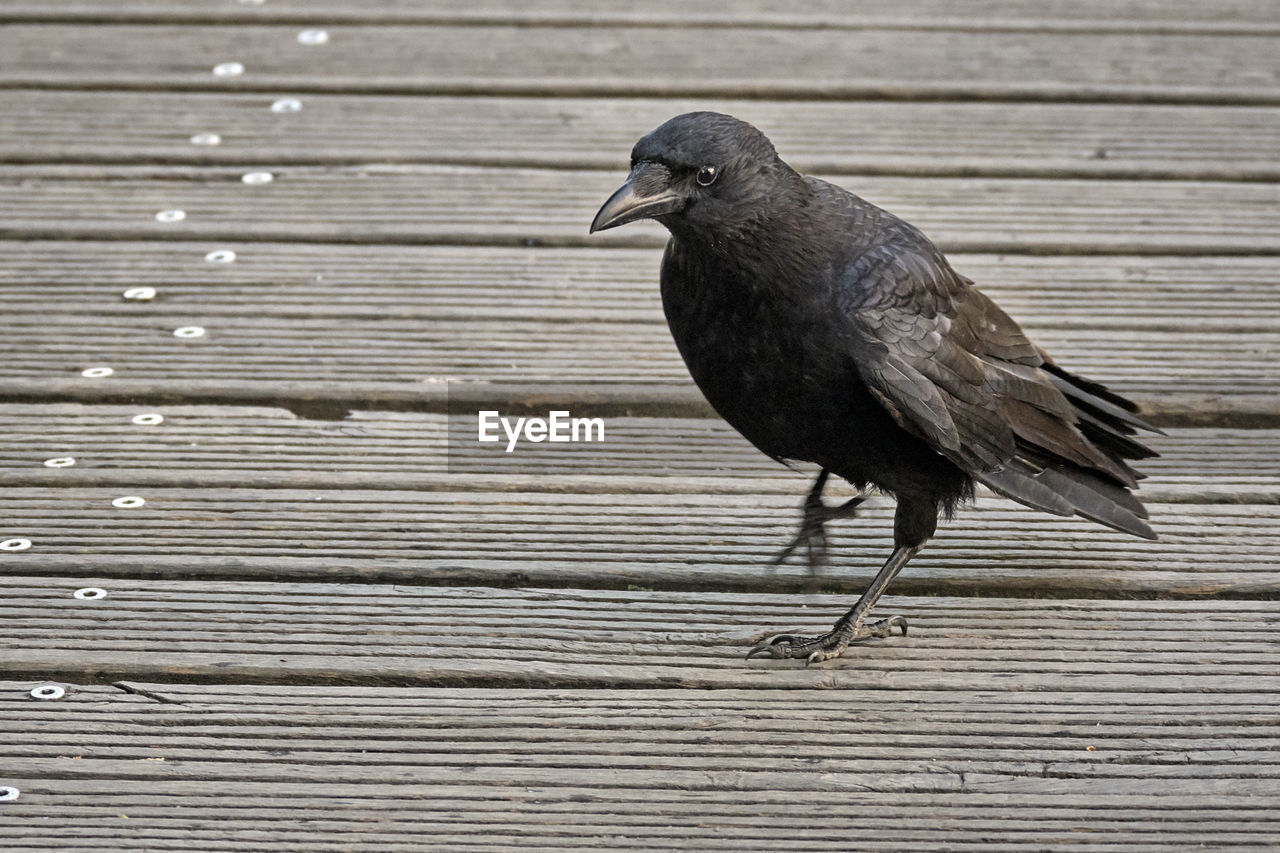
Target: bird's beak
<point>646,194</point>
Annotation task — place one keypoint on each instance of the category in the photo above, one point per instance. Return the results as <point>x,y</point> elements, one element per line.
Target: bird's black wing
<point>954,370</point>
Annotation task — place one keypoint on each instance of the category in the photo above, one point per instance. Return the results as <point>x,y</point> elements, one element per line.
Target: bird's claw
<point>828,646</point>
<point>813,530</point>
<point>779,647</point>
<point>815,539</point>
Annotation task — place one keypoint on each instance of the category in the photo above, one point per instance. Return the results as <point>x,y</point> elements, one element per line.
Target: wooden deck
<point>328,629</point>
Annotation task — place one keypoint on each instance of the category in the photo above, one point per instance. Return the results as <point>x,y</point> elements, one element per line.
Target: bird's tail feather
<point>1099,401</point>
<point>1042,476</point>
<point>1065,489</point>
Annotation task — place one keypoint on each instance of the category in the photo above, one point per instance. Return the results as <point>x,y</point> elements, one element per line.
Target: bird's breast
<point>762,355</point>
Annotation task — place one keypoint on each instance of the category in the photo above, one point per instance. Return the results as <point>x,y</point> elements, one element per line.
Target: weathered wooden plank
<point>427,766</point>
<point>301,280</point>
<point>739,713</point>
<point>609,533</point>
<point>546,819</point>
<point>1250,16</point>
<point>868,137</point>
<point>714,814</point>
<point>416,354</point>
<point>206,446</point>
<point>616,536</point>
<point>429,828</point>
<point>770,745</point>
<point>155,765</point>
<point>1180,376</point>
<point>369,300</point>
<point>460,204</point>
<point>378,325</point>
<point>646,60</point>
<point>250,631</point>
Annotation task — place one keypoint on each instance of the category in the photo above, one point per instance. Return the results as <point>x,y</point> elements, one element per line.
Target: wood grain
<point>154,764</point>
<point>837,137</point>
<point>654,60</point>
<point>611,533</point>
<point>1210,377</point>
<point>480,205</point>
<point>303,281</point>
<point>352,633</point>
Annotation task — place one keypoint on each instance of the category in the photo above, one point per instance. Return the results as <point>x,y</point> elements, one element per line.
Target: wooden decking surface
<point>327,628</point>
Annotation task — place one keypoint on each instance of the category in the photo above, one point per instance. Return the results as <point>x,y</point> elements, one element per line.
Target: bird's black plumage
<point>828,330</point>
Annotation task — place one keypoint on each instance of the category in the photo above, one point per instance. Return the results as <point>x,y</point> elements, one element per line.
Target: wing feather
<point>956,371</point>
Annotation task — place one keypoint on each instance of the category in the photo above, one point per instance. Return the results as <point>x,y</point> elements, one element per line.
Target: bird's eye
<point>706,176</point>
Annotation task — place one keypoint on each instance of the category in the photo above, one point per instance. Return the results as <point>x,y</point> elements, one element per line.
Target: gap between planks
<point>1248,17</point>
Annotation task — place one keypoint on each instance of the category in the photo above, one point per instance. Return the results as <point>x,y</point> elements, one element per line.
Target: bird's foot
<point>831,644</point>
<point>813,530</point>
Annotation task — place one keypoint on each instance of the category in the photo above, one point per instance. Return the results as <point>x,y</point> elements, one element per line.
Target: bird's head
<point>699,172</point>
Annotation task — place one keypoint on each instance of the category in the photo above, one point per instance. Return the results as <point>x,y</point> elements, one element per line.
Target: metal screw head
<point>96,372</point>
<point>128,502</point>
<point>189,332</point>
<point>206,139</point>
<point>286,105</point>
<point>60,462</point>
<point>89,593</point>
<point>171,216</point>
<point>220,256</point>
<point>258,177</point>
<point>141,294</point>
<point>48,692</point>
<point>15,545</point>
<point>8,792</point>
<point>228,69</point>
<point>310,37</point>
<point>149,419</point>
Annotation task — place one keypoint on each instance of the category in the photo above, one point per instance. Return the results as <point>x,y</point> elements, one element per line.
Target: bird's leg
<point>812,532</point>
<point>851,626</point>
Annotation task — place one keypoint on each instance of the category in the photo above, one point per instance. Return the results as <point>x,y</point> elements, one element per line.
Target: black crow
<point>828,330</point>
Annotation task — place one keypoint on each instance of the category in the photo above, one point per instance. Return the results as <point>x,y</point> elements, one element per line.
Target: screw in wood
<point>48,692</point>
